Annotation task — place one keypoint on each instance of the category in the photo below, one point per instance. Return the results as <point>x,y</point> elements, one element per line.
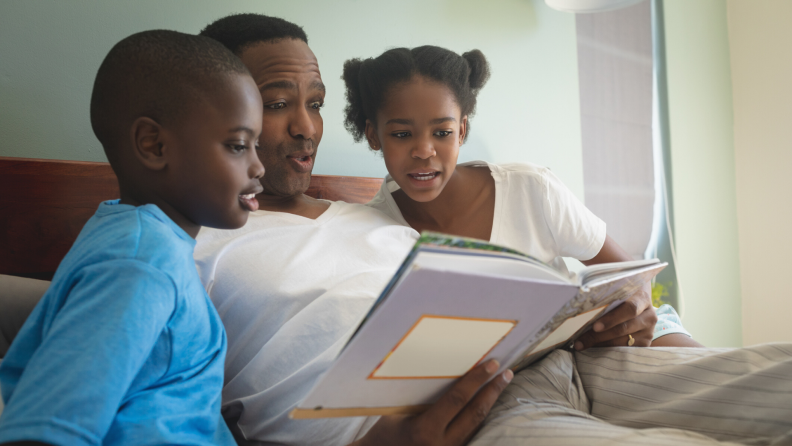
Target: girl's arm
<point>635,317</point>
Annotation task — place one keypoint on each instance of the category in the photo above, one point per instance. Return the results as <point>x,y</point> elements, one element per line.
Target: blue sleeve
<point>668,322</point>
<point>90,353</point>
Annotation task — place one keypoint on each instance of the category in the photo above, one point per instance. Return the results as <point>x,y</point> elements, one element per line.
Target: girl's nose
<point>423,149</point>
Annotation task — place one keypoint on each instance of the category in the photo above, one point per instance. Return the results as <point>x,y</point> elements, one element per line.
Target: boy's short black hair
<point>239,31</point>
<point>158,74</point>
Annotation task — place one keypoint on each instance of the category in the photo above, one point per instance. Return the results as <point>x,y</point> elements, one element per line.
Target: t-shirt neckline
<point>326,216</point>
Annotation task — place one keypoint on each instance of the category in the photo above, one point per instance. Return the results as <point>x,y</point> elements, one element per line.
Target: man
<point>292,285</point>
<point>286,322</point>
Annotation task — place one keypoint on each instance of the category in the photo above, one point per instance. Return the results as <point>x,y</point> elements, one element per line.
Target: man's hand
<point>635,317</point>
<point>452,420</point>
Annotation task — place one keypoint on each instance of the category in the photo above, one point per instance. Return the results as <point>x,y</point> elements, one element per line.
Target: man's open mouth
<point>302,163</point>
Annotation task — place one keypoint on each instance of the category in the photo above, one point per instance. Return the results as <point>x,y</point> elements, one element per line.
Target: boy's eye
<point>277,106</point>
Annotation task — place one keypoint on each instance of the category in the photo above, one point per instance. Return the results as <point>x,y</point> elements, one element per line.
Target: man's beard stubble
<point>279,179</point>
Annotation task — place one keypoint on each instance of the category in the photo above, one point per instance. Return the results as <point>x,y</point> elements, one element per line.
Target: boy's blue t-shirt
<point>124,348</point>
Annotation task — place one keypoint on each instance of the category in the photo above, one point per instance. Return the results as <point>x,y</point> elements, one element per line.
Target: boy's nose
<point>256,168</point>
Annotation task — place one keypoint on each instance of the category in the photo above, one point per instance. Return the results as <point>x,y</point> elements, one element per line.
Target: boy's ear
<point>147,143</point>
<point>462,129</point>
<point>371,136</point>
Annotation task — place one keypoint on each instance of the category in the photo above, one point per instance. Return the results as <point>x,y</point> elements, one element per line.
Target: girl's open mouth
<point>427,176</point>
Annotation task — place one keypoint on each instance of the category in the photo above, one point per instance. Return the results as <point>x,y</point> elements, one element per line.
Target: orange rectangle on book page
<point>442,347</point>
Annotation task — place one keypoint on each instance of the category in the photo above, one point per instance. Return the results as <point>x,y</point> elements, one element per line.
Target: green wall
<point>49,53</point>
<point>702,159</point>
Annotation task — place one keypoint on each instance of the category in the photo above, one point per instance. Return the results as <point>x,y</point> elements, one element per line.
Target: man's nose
<point>301,124</point>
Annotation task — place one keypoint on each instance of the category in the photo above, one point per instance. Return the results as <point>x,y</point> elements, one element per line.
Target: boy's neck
<point>181,221</point>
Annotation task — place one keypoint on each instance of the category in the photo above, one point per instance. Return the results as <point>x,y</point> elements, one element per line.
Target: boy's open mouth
<point>249,202</point>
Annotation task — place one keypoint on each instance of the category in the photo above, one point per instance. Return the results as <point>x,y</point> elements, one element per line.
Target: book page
<point>496,266</point>
<point>567,329</point>
<point>603,271</point>
<point>442,347</point>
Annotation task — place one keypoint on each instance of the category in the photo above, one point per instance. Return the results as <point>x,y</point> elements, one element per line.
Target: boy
<point>125,347</point>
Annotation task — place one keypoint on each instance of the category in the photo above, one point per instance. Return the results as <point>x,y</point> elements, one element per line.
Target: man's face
<point>288,78</point>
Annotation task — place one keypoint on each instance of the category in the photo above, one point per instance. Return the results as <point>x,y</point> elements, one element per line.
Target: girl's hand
<point>451,421</point>
<point>634,318</point>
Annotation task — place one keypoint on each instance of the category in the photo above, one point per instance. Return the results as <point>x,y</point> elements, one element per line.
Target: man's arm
<point>451,421</point>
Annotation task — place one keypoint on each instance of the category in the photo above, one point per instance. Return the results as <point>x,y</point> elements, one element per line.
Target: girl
<point>414,105</point>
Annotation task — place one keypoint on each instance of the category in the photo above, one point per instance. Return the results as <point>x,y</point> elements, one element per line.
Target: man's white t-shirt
<point>290,291</point>
<point>535,213</point>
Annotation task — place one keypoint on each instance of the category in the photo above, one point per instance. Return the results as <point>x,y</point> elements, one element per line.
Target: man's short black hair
<point>157,74</point>
<point>239,31</point>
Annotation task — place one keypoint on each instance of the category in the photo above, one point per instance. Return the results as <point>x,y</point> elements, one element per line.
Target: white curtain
<point>615,72</point>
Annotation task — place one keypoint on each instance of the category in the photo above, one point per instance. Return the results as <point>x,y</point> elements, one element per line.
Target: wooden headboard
<point>45,203</point>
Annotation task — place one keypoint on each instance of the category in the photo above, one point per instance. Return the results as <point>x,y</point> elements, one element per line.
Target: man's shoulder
<point>369,214</point>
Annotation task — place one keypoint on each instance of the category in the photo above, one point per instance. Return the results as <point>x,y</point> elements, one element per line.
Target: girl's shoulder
<point>514,171</point>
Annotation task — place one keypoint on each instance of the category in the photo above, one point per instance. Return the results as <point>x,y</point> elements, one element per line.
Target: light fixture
<point>586,6</point>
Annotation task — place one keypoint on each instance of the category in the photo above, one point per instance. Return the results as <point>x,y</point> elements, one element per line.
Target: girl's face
<point>419,131</point>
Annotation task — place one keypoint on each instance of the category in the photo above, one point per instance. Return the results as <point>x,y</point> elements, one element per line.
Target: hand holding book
<point>635,317</point>
<point>452,420</point>
<point>631,323</point>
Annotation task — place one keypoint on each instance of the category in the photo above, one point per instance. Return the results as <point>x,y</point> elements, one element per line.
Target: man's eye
<point>317,105</point>
<point>277,106</point>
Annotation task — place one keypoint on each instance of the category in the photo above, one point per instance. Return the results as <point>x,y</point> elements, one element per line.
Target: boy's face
<point>213,171</point>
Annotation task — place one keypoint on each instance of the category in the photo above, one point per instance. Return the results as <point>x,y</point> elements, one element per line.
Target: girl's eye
<point>236,148</point>
<point>277,106</point>
<point>401,134</point>
<point>443,133</point>
<point>317,105</point>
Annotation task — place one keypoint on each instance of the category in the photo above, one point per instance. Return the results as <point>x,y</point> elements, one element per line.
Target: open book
<point>454,303</point>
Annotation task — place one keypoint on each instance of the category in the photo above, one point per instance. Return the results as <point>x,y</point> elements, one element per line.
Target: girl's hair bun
<point>479,69</point>
<point>355,121</point>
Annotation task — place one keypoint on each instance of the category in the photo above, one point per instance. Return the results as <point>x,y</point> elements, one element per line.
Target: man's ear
<point>147,143</point>
<point>371,136</point>
<point>462,129</point>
